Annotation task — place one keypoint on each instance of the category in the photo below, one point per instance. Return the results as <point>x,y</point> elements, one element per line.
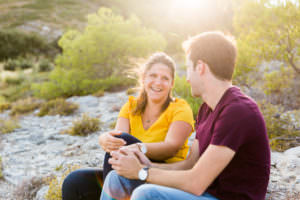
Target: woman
<point>153,123</point>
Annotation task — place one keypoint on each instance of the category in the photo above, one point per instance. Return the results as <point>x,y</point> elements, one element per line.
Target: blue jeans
<point>119,188</point>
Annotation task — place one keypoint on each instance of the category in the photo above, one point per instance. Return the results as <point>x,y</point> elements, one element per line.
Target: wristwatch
<point>142,147</point>
<point>143,173</point>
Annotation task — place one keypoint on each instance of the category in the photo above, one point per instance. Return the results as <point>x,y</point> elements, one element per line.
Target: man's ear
<point>200,67</point>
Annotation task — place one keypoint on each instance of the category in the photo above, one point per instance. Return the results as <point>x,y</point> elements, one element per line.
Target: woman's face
<point>158,82</point>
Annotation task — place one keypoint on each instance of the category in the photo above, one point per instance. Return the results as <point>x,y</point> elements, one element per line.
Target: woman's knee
<point>128,138</point>
<point>71,179</point>
<point>144,192</point>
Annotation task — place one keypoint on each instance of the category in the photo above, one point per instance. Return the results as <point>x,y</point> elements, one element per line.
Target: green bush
<point>84,126</point>
<point>57,107</point>
<point>72,83</point>
<point>55,184</point>
<point>14,80</point>
<point>183,90</point>
<point>45,66</point>
<point>15,43</point>
<point>24,106</point>
<point>25,63</point>
<point>131,91</point>
<point>15,92</point>
<point>99,93</point>
<point>8,125</point>
<point>20,63</point>
<point>103,50</point>
<point>11,65</point>
<point>280,126</point>
<point>1,174</point>
<point>4,106</point>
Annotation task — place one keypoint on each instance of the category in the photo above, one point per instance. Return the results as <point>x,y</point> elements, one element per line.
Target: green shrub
<point>73,84</point>
<point>25,64</point>
<point>16,43</point>
<point>1,174</point>
<point>8,125</point>
<point>101,51</point>
<point>4,106</point>
<point>55,184</point>
<point>24,106</point>
<point>113,125</point>
<point>99,93</point>
<point>183,90</point>
<point>57,107</point>
<point>45,66</point>
<point>280,126</point>
<point>11,65</point>
<point>20,63</point>
<point>84,126</point>
<point>115,83</point>
<point>131,91</point>
<point>15,92</point>
<point>14,80</point>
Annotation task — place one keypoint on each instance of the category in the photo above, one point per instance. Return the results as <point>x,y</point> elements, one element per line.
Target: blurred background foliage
<point>102,39</point>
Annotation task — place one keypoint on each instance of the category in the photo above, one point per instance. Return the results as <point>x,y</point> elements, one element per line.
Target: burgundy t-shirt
<point>238,124</point>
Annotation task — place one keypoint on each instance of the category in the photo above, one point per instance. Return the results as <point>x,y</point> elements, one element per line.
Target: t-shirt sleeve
<point>124,112</point>
<point>183,112</point>
<point>232,129</point>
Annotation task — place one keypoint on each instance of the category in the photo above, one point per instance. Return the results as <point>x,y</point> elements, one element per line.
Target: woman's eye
<point>165,78</point>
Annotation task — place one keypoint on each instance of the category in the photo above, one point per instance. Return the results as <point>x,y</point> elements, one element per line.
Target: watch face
<point>143,174</point>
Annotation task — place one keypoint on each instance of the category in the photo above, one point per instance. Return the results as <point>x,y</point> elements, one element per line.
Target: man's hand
<point>110,143</point>
<point>126,163</point>
<point>143,158</point>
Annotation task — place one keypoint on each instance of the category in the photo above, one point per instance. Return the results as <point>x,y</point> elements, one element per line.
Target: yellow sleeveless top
<point>178,110</point>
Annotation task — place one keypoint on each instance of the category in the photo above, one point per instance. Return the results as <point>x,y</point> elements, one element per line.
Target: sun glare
<point>188,7</point>
<point>186,4</point>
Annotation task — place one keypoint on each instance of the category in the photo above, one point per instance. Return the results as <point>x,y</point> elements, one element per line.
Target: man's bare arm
<point>197,179</point>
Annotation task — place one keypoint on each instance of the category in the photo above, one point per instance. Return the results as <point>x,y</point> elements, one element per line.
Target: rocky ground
<point>38,149</point>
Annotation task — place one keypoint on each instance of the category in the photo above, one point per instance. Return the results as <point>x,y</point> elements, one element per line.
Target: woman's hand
<point>110,143</point>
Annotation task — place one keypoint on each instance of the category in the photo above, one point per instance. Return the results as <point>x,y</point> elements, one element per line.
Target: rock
<point>40,195</point>
<point>37,149</point>
<point>293,151</point>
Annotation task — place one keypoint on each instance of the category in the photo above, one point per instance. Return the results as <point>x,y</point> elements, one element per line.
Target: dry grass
<point>4,106</point>
<point>29,188</point>
<point>8,125</point>
<point>25,106</point>
<point>57,107</point>
<point>1,175</point>
<point>84,126</point>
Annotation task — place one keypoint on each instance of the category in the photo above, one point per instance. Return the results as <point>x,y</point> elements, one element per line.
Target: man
<point>230,157</point>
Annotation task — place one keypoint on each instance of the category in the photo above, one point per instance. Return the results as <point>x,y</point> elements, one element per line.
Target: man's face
<point>193,77</point>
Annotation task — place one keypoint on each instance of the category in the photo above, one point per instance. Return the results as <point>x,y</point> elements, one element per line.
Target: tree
<point>267,31</point>
<point>102,50</point>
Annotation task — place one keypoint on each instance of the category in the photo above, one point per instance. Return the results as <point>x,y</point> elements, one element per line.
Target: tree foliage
<point>102,50</point>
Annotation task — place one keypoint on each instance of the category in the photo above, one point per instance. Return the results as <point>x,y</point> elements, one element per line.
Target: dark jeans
<point>86,184</point>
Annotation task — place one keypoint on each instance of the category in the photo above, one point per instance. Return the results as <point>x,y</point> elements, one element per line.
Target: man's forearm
<point>179,179</point>
<point>181,165</point>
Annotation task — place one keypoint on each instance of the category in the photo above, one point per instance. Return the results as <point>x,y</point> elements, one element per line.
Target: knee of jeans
<point>113,185</point>
<point>143,192</point>
<point>112,181</point>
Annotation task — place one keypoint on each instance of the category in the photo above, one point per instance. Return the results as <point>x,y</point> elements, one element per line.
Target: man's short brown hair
<point>216,50</point>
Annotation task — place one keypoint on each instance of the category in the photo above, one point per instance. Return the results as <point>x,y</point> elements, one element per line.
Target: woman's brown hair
<point>155,58</point>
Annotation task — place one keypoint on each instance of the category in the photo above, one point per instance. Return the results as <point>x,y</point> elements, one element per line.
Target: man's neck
<point>213,95</point>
